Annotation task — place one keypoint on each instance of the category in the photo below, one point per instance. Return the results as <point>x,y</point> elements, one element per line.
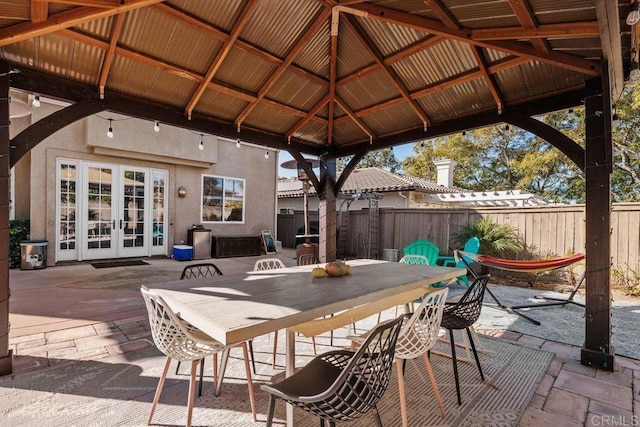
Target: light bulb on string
<point>201,146</point>
<point>156,126</point>
<point>634,14</point>
<point>36,101</point>
<point>237,143</point>
<point>266,154</point>
<point>110,130</point>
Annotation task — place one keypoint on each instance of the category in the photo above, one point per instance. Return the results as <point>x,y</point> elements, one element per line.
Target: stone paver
<point>595,389</point>
<point>554,367</point>
<point>620,375</point>
<point>533,417</point>
<point>567,404</point>
<point>574,366</point>
<point>100,341</point>
<point>529,341</point>
<point>70,334</point>
<point>545,385</point>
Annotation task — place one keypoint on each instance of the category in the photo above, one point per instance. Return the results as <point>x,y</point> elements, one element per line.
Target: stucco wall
<point>136,144</point>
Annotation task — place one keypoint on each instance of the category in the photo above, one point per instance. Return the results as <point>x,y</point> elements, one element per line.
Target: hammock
<point>528,266</point>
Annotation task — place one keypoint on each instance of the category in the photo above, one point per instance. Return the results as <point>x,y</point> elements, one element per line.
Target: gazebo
<point>330,78</point>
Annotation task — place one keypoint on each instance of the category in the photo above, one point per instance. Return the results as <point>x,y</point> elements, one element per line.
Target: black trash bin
<point>33,254</point>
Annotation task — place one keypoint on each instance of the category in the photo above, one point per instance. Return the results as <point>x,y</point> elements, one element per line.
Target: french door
<point>121,211</point>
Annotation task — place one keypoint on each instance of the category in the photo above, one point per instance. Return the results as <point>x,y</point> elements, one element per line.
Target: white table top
<point>236,307</point>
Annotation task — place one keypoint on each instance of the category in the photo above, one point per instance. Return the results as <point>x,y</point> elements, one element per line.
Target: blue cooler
<point>182,252</point>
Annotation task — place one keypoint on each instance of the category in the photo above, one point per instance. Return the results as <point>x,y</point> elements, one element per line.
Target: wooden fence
<point>550,230</point>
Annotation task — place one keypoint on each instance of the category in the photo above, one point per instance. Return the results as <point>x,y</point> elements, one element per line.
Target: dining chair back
<point>268,264</point>
<point>196,271</point>
<point>307,259</point>
<point>460,315</point>
<point>425,248</point>
<point>342,385</point>
<point>472,246</point>
<point>414,259</point>
<point>179,340</point>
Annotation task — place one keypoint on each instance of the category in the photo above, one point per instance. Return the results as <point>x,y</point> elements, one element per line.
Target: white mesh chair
<point>264,264</point>
<point>179,340</point>
<point>418,334</point>
<point>268,264</point>
<point>414,259</point>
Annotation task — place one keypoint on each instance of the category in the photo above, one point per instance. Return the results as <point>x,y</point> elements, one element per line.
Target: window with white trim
<point>222,199</point>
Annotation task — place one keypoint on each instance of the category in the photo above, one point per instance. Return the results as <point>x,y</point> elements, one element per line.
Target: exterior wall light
<point>182,192</point>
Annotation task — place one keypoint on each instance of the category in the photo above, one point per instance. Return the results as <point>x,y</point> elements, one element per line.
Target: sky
<point>400,151</point>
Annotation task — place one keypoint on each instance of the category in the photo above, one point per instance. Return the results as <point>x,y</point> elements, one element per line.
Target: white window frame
<point>222,216</point>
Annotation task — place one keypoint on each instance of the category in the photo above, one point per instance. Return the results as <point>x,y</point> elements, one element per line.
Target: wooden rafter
<point>355,118</point>
<point>221,55</point>
<point>412,49</point>
<point>109,55</point>
<point>178,71</point>
<point>525,17</point>
<point>68,18</point>
<point>397,82</point>
<point>450,21</point>
<point>90,3</point>
<point>419,23</point>
<point>209,29</point>
<point>488,78</point>
<point>309,116</point>
<point>443,14</point>
<point>307,34</point>
<point>39,10</point>
<point>333,60</point>
<point>441,85</point>
<point>558,31</point>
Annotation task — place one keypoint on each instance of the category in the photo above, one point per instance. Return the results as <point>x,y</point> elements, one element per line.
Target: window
<point>222,199</point>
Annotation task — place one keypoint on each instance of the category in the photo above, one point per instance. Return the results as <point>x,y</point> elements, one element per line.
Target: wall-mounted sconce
<point>182,192</point>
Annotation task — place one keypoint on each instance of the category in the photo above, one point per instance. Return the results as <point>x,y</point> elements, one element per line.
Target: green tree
<point>384,159</point>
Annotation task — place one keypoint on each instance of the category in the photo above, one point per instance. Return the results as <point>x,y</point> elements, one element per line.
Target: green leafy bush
<point>18,230</point>
<point>495,239</point>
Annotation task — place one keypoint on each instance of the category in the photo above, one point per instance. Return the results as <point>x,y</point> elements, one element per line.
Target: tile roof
<point>369,180</point>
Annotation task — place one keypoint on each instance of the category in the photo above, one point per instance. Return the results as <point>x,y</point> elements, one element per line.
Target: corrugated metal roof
<point>165,50</point>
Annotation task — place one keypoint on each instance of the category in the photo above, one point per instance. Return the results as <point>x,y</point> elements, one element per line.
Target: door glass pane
<point>159,179</point>
<point>133,205</point>
<point>99,208</point>
<point>67,194</point>
<point>212,198</point>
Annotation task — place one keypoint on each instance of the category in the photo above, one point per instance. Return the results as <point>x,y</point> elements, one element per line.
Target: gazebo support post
<point>327,212</point>
<point>6,366</point>
<point>597,351</point>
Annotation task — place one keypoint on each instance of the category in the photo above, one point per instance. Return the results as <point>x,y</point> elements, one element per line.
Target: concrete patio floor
<point>76,312</point>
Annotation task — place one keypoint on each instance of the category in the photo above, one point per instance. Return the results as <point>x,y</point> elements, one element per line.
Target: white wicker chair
<point>268,264</point>
<point>179,340</point>
<point>418,334</point>
<point>414,259</point>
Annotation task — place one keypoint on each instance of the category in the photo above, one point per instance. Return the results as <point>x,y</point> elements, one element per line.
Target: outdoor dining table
<point>237,307</point>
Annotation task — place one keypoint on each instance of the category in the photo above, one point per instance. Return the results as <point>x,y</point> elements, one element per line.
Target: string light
<point>201,146</point>
<point>634,14</point>
<point>237,143</point>
<point>266,154</point>
<point>156,126</point>
<point>36,101</point>
<point>110,130</point>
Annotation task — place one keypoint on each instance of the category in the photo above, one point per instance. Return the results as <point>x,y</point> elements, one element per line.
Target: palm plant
<point>495,239</point>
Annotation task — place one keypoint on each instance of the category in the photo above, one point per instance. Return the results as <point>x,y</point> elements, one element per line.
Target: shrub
<point>626,279</point>
<point>18,230</point>
<point>495,239</point>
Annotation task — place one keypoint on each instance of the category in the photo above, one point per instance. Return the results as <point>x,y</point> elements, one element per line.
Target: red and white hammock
<point>528,266</point>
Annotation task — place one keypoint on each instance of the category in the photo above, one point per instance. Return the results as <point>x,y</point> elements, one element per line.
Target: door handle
<point>113,224</point>
<point>120,224</point>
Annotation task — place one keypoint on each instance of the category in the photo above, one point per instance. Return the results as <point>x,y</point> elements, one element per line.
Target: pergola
<point>330,78</point>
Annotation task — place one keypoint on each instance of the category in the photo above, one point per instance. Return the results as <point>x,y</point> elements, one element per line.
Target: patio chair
<point>418,334</point>
<point>196,271</point>
<point>414,259</point>
<point>472,246</point>
<point>180,340</point>
<point>307,259</point>
<point>425,248</point>
<point>268,264</point>
<point>342,385</point>
<point>460,315</point>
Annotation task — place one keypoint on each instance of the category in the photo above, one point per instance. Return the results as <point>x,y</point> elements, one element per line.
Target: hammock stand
<point>534,266</point>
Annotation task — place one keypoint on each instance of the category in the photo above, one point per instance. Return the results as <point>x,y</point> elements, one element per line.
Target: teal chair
<point>472,246</point>
<point>425,248</point>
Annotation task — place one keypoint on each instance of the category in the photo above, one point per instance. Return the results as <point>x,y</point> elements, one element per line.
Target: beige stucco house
<point>92,196</point>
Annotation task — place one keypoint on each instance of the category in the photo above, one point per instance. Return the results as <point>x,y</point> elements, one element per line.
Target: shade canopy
<point>322,77</point>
